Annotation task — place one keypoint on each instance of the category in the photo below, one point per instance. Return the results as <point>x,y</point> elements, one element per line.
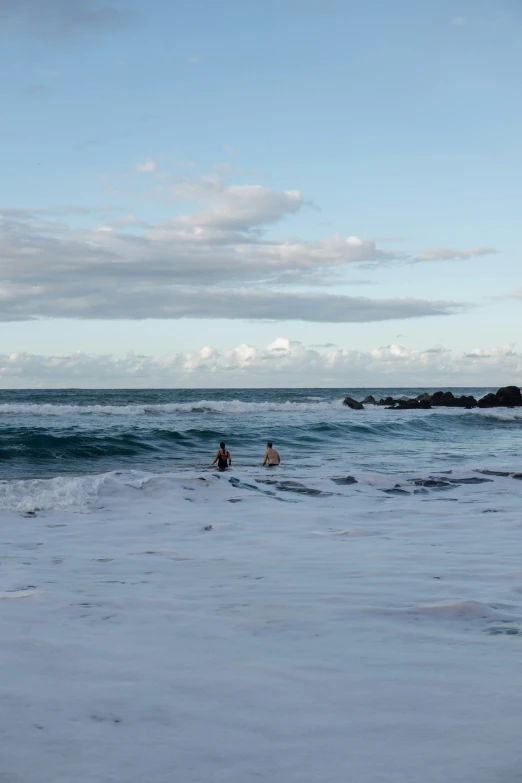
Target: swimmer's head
<point>222,446</point>
<point>269,444</point>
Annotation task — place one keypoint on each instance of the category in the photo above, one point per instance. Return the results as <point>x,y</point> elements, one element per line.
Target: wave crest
<point>67,493</point>
<point>199,406</point>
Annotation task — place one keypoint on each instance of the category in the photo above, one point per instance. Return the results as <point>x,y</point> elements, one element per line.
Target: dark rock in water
<point>464,402</point>
<point>434,483</point>
<point>495,472</point>
<point>507,397</point>
<point>510,395</point>
<point>503,630</point>
<point>517,475</point>
<point>369,400</point>
<point>351,403</point>
<point>473,480</point>
<point>488,401</point>
<point>396,490</point>
<point>293,486</point>
<point>242,484</point>
<point>345,480</point>
<point>448,400</point>
<point>442,398</point>
<point>303,490</point>
<point>408,405</point>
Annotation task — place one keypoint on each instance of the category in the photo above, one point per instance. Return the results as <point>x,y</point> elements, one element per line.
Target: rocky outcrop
<point>507,397</point>
<point>351,403</point>
<point>411,405</point>
<point>448,400</point>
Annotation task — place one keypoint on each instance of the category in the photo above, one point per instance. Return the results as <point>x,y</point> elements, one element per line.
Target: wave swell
<point>200,406</point>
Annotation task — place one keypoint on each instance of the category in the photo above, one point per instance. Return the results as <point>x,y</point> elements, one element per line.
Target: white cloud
<point>281,363</point>
<point>135,299</point>
<point>195,264</point>
<point>236,208</point>
<point>147,167</point>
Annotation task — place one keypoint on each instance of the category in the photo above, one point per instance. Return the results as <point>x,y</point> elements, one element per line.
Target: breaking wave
<point>65,493</point>
<point>201,406</point>
<point>47,434</point>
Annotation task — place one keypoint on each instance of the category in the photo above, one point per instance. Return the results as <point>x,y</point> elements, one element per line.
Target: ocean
<point>354,614</point>
<point>44,434</point>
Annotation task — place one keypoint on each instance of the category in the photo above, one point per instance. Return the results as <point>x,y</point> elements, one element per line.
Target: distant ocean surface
<point>47,434</point>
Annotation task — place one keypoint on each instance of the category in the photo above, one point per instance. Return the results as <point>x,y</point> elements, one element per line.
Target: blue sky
<point>180,175</point>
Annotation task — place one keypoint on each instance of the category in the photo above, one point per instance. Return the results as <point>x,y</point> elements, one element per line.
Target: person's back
<point>272,457</point>
<point>223,458</point>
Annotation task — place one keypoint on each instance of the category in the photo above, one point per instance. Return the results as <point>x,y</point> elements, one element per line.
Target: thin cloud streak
<point>144,301</point>
<point>446,254</point>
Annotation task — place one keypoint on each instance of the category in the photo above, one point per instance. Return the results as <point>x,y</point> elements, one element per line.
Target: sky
<point>260,193</point>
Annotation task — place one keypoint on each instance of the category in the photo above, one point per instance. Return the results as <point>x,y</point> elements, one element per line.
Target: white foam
<point>240,624</point>
<point>80,493</point>
<point>499,414</point>
<point>17,594</point>
<point>34,409</point>
<point>64,493</point>
<point>200,406</point>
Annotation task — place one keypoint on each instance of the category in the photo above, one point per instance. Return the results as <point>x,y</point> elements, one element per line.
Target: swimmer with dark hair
<point>272,458</point>
<point>223,458</point>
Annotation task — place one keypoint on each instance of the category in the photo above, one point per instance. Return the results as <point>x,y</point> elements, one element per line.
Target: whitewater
<point>353,615</point>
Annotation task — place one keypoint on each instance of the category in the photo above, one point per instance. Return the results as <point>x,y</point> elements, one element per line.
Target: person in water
<point>223,458</point>
<point>272,458</point>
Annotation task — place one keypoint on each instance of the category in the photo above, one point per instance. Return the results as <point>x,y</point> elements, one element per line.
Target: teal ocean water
<point>44,434</point>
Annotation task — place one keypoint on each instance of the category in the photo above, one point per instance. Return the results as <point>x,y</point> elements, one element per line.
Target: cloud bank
<point>218,261</point>
<point>282,363</point>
